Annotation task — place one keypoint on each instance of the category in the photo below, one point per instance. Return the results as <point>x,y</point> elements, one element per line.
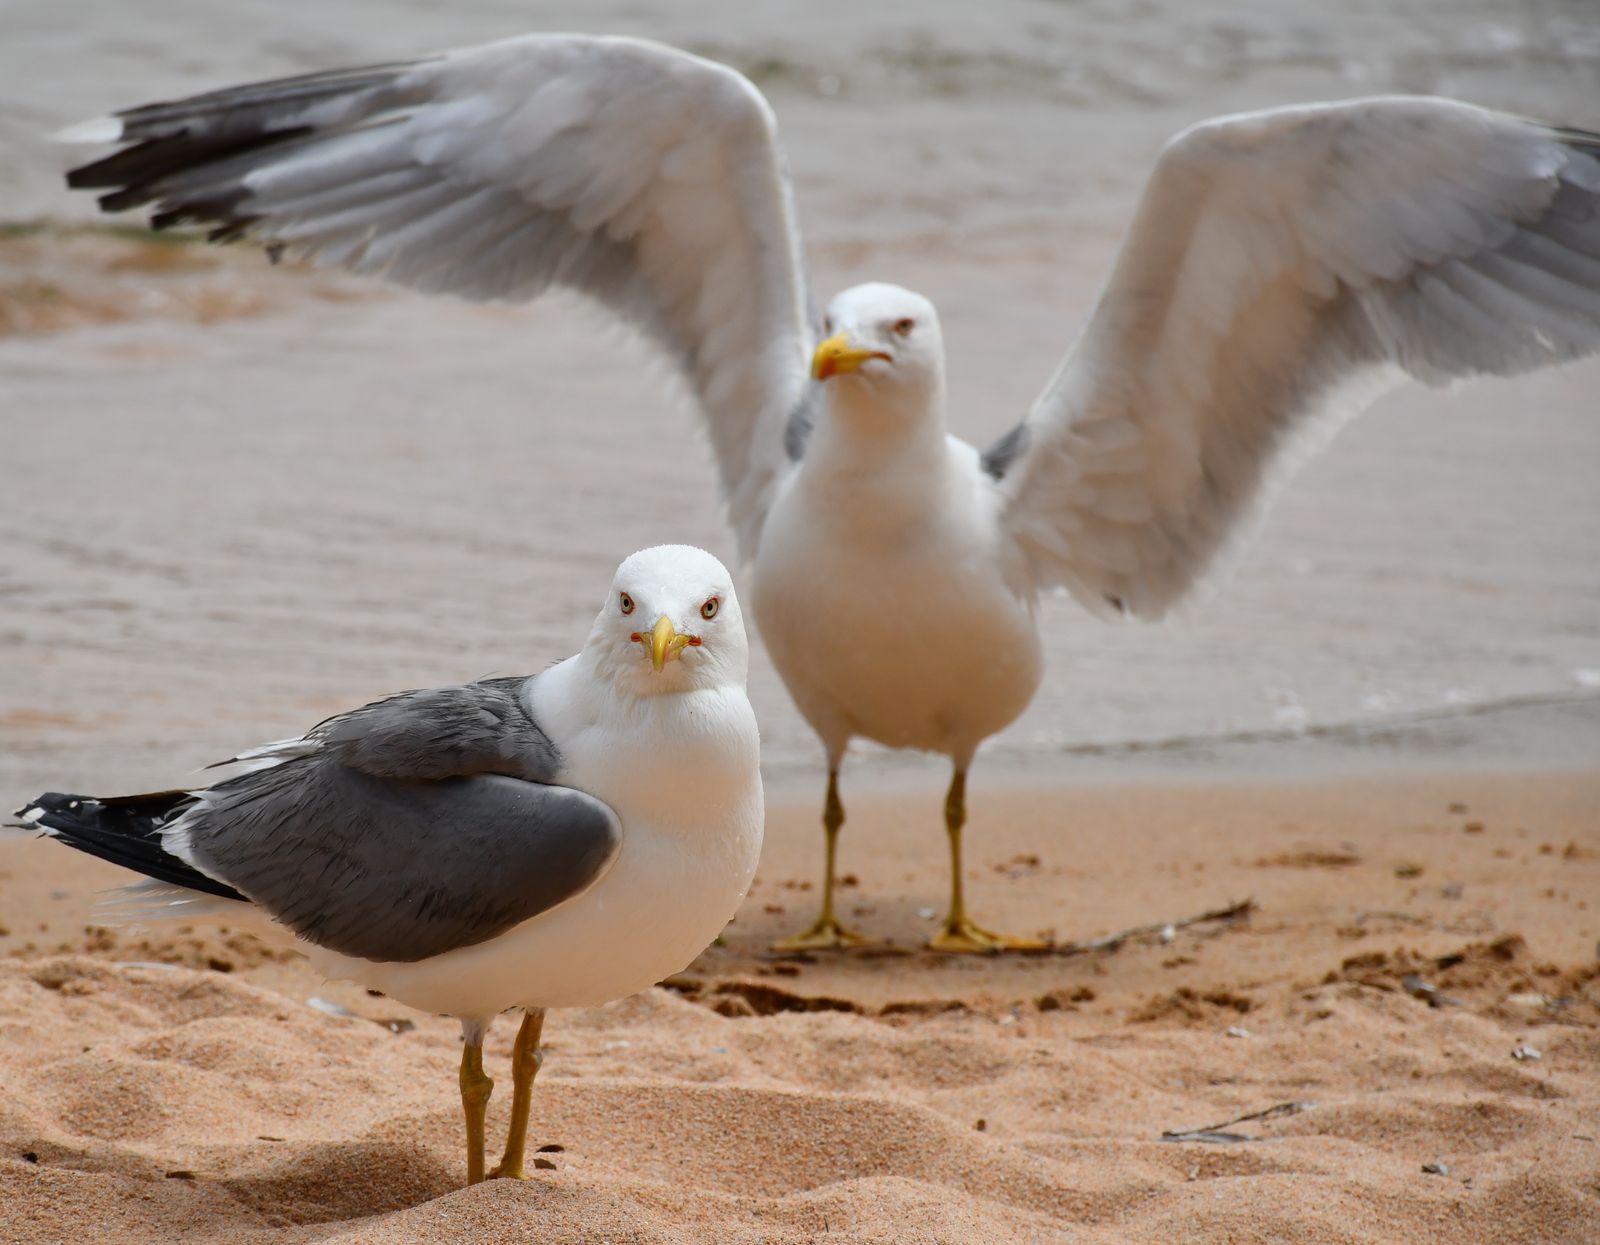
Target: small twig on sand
<point>1215,1132</point>
<point>1426,991</point>
<point>1162,930</point>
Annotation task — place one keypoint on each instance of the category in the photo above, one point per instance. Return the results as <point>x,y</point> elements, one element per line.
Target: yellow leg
<point>526,1058</point>
<point>961,935</point>
<point>475,1090</point>
<point>826,932</point>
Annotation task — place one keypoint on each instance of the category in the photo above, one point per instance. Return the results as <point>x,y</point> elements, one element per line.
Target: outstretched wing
<point>411,827</point>
<point>1284,265</point>
<point>643,177</point>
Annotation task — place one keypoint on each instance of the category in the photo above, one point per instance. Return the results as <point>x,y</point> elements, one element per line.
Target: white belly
<point>906,634</point>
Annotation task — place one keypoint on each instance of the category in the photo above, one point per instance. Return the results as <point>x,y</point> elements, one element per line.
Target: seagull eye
<point>627,603</point>
<point>827,326</point>
<point>710,608</point>
<point>903,327</point>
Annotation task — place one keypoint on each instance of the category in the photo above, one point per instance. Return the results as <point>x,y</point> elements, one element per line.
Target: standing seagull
<point>1281,266</point>
<point>559,840</point>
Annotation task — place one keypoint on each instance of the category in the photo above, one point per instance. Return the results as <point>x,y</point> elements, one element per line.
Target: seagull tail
<point>125,830</point>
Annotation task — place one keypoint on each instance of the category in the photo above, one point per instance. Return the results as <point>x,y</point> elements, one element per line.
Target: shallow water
<point>213,535</point>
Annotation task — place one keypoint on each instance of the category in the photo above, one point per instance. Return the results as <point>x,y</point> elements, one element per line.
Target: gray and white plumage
<point>409,827</point>
<point>1282,269</point>
<point>404,829</point>
<point>453,826</point>
<point>1286,267</point>
<point>422,823</point>
<point>647,179</point>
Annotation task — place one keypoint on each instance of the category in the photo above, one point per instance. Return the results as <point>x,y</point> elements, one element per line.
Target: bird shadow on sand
<point>327,1182</point>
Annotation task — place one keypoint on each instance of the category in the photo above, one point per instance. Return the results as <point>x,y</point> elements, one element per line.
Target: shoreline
<point>1556,731</point>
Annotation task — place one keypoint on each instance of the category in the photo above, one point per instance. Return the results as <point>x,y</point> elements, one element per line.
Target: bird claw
<point>501,1172</point>
<point>826,935</point>
<point>962,937</point>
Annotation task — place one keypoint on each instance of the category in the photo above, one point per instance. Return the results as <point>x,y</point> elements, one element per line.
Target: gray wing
<point>444,732</point>
<point>1283,268</point>
<point>408,828</point>
<point>646,178</point>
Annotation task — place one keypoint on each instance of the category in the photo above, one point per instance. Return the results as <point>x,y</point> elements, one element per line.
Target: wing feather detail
<point>1283,269</point>
<point>647,179</point>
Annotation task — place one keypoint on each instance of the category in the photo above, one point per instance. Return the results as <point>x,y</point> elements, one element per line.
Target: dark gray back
<point>425,823</point>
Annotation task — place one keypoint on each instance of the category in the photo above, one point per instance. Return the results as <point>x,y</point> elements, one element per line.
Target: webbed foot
<point>960,936</point>
<point>826,935</point>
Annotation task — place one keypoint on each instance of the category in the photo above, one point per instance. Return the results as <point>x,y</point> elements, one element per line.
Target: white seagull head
<point>671,624</point>
<point>884,341</point>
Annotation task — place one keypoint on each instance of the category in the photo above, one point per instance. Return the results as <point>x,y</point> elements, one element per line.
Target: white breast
<point>886,611</point>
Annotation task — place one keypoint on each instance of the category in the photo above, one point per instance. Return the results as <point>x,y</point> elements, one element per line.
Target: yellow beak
<point>665,643</point>
<point>837,355</point>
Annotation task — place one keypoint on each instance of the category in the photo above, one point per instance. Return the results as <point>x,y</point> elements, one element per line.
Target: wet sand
<point>239,498</point>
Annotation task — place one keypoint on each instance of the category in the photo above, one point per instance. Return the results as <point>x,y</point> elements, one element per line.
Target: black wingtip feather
<point>239,104</point>
<point>1589,140</point>
<point>179,152</point>
<point>125,830</point>
<point>122,200</point>
<point>140,174</point>
<point>999,457</point>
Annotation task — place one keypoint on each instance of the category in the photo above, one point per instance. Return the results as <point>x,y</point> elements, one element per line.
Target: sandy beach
<point>902,1096</point>
<point>240,498</point>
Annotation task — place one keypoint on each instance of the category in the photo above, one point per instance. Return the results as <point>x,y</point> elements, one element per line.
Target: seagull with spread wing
<point>560,840</point>
<point>1282,267</point>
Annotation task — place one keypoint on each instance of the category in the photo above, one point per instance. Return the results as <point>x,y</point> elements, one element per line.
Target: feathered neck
<point>865,426</point>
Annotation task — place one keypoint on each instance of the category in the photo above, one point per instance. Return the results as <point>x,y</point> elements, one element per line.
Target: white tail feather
<point>275,753</point>
<point>162,901</point>
<point>95,130</point>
